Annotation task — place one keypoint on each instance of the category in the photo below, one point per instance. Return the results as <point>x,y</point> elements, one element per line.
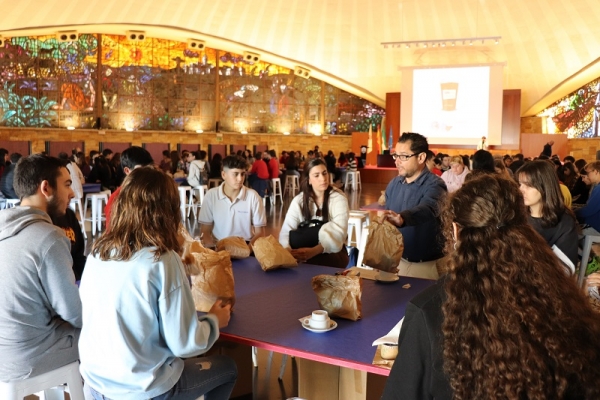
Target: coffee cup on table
<point>389,351</point>
<point>318,320</point>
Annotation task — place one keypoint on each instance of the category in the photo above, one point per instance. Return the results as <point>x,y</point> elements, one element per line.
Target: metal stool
<point>74,205</point>
<point>69,374</point>
<point>184,205</point>
<point>355,176</point>
<point>355,223</point>
<point>276,190</point>
<point>292,183</point>
<point>96,200</point>
<point>10,203</point>
<point>201,190</point>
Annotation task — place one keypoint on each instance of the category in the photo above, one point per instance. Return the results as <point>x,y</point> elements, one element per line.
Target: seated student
<point>259,179</point>
<point>199,169</point>
<point>40,309</point>
<point>548,213</point>
<point>132,158</point>
<point>139,318</point>
<point>504,323</point>
<point>433,164</point>
<point>232,209</point>
<point>590,213</point>
<point>455,176</point>
<point>319,200</point>
<point>8,177</point>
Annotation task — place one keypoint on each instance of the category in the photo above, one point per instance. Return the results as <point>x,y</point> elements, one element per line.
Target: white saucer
<point>386,277</point>
<point>332,325</point>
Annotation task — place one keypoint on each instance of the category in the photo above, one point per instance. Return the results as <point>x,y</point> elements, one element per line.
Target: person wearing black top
<point>70,224</point>
<point>8,177</point>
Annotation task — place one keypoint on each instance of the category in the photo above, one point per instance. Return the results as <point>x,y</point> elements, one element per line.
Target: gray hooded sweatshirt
<point>39,300</point>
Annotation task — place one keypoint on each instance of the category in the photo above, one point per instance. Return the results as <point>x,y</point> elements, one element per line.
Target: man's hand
<point>223,313</point>
<point>393,218</point>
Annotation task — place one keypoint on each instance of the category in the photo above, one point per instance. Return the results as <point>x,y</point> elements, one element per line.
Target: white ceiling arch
<point>550,47</point>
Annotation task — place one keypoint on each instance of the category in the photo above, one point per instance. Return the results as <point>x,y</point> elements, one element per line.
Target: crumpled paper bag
<point>381,199</point>
<point>384,247</point>
<point>236,247</point>
<point>271,255</point>
<point>339,295</point>
<point>211,275</point>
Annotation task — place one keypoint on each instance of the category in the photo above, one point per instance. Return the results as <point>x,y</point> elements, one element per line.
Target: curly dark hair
<point>515,327</point>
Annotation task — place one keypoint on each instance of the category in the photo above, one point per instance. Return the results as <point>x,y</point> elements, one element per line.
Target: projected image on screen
<point>451,102</point>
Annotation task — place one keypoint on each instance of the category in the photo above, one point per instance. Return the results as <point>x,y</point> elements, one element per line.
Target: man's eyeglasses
<point>403,157</point>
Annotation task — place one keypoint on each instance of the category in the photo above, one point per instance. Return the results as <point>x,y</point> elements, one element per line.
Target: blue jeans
<point>213,377</point>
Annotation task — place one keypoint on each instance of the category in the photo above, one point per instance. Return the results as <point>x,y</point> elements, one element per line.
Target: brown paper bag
<point>271,255</point>
<point>235,246</point>
<point>384,247</point>
<point>381,199</point>
<point>339,295</point>
<point>214,281</point>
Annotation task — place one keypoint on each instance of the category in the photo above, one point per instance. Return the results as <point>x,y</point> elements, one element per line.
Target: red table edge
<point>374,369</point>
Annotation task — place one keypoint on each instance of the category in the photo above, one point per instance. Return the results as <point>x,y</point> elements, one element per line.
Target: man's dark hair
<point>310,152</point>
<point>15,157</point>
<point>430,155</point>
<point>234,162</point>
<point>483,160</point>
<point>518,156</point>
<point>418,142</point>
<point>134,156</point>
<point>201,155</point>
<point>32,170</point>
<point>272,153</point>
<point>570,159</point>
<point>63,156</point>
<point>166,153</point>
<point>106,152</point>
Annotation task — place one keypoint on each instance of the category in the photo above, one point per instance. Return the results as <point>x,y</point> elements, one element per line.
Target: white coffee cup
<point>389,351</point>
<point>318,320</point>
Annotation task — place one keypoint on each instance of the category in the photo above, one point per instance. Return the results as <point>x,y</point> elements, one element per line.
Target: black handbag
<point>306,235</point>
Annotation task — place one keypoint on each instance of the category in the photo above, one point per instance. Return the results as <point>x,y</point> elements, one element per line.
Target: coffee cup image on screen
<point>449,94</point>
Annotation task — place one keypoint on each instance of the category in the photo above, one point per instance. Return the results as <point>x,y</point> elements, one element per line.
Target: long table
<point>269,304</point>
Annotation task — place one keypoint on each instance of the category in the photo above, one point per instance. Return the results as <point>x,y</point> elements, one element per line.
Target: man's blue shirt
<point>419,204</point>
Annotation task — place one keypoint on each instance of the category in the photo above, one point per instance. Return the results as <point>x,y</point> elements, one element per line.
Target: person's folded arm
<point>332,235</point>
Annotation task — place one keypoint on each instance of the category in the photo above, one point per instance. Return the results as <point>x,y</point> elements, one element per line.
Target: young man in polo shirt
<point>232,209</point>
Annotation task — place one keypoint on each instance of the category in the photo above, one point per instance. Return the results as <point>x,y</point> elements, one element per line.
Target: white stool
<point>183,204</point>
<point>74,205</point>
<point>292,183</point>
<point>355,223</point>
<point>96,200</point>
<point>361,248</point>
<point>366,214</point>
<point>201,191</point>
<point>355,176</point>
<point>590,236</point>
<point>10,203</point>
<point>69,374</point>
<point>214,181</point>
<point>276,191</point>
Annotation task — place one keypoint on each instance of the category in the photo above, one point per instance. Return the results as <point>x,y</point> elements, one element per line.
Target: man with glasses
<point>412,201</point>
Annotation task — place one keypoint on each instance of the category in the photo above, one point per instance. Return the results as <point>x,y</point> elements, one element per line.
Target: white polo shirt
<point>232,218</point>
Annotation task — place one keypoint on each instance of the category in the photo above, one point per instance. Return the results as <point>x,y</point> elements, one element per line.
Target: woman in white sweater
<point>318,200</point>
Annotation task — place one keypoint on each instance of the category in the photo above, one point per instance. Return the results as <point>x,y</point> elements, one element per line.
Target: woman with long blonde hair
<point>505,322</point>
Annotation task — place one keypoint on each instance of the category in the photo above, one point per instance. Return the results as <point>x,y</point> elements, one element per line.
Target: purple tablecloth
<point>269,304</point>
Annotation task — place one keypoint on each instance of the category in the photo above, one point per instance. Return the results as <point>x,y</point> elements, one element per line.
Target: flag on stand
<point>378,148</point>
<point>370,142</point>
<point>391,142</point>
<point>383,136</point>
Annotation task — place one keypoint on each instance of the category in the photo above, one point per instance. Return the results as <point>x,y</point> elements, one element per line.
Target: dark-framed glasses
<point>403,157</point>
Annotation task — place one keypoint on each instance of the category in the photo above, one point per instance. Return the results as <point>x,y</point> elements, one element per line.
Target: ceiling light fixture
<point>441,42</point>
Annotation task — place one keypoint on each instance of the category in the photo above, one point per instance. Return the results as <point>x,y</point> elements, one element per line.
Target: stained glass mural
<point>577,114</point>
<point>159,84</point>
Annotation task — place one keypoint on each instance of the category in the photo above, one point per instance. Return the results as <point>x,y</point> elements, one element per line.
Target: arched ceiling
<point>549,47</point>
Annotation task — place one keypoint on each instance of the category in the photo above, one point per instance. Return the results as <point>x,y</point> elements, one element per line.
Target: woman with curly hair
<point>505,322</point>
